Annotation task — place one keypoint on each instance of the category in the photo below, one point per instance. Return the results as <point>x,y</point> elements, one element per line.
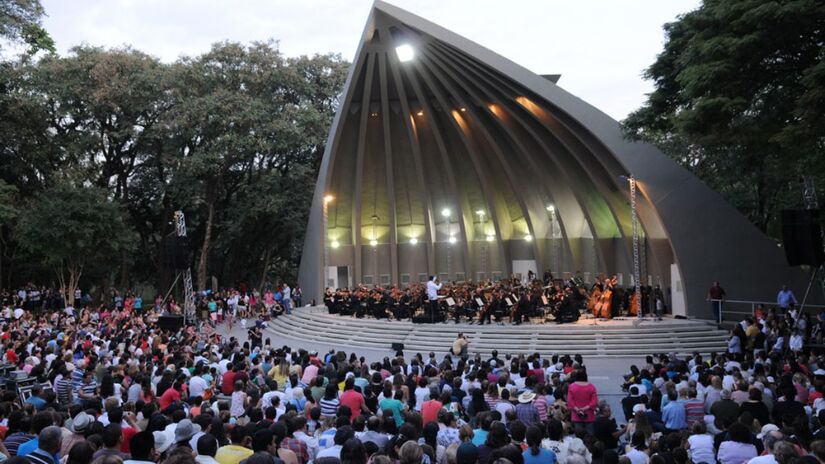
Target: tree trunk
<point>266,265</point>
<point>207,239</point>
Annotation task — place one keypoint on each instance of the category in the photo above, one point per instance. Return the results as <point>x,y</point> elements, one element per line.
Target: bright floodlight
<point>453,239</point>
<point>335,244</point>
<point>480,212</point>
<point>528,238</point>
<point>405,52</point>
<point>445,212</point>
<point>551,208</point>
<point>374,242</point>
<point>490,238</point>
<point>413,240</point>
<point>328,198</point>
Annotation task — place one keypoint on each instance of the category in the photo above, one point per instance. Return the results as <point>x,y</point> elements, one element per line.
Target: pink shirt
<point>579,396</point>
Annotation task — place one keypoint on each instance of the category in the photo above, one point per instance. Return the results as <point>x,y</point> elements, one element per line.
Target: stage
<point>619,337</point>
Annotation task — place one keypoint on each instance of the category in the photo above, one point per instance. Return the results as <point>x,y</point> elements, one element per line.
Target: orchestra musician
<point>433,286</point>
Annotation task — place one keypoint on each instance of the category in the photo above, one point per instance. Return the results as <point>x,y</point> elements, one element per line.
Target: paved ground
<point>605,373</point>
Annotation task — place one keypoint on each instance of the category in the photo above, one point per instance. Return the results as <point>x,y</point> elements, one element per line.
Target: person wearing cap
<point>633,398</point>
<point>770,436</point>
<point>79,424</point>
<point>163,441</point>
<point>184,431</point>
<point>526,411</point>
<point>142,445</point>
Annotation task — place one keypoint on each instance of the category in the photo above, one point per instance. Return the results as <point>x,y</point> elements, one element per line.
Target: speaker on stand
<point>802,240</point>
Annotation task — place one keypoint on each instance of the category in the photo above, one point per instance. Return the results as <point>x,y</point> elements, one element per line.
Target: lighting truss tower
<point>189,292</point>
<point>634,221</point>
<point>811,202</point>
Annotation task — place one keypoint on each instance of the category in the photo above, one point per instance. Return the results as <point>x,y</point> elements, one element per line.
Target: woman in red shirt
<point>582,400</point>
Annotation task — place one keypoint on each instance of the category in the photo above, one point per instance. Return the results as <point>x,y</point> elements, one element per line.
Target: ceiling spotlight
<point>551,208</point>
<point>413,240</point>
<point>335,244</point>
<point>373,242</point>
<point>463,109</point>
<point>528,238</point>
<point>490,238</point>
<point>405,52</point>
<point>481,212</point>
<point>453,239</point>
<point>420,113</point>
<point>374,114</point>
<point>445,212</point>
<point>328,198</point>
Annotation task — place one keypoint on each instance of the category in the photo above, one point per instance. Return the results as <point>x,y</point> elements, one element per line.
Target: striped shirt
<point>329,407</point>
<point>39,456</point>
<point>64,391</point>
<point>77,378</point>
<point>14,441</point>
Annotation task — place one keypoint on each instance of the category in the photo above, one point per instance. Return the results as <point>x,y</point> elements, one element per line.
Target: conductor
<point>433,286</point>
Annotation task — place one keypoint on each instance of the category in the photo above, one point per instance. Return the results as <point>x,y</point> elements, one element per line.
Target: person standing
<point>582,400</point>
<point>785,299</point>
<point>716,296</point>
<point>433,286</point>
<point>287,298</point>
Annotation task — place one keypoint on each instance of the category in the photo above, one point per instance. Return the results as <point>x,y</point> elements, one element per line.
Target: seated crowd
<point>117,389</point>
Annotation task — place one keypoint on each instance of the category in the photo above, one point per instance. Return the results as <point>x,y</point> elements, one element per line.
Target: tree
<point>73,228</point>
<point>738,99</point>
<point>8,214</point>
<point>20,22</point>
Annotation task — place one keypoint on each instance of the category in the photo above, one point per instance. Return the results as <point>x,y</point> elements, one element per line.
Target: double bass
<point>602,308</point>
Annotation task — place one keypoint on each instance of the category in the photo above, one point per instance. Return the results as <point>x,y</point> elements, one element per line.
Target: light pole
<point>374,243</point>
<point>324,219</point>
<point>551,209</point>
<point>482,218</point>
<point>450,240</point>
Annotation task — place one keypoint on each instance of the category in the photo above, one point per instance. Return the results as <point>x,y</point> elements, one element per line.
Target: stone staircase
<point>604,338</point>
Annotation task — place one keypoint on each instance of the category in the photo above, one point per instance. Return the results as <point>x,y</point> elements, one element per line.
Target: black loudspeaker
<point>172,322</point>
<point>802,237</point>
<point>178,250</point>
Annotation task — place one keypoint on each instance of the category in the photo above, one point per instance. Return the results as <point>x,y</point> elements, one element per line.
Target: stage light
<point>374,114</point>
<point>420,113</point>
<point>551,208</point>
<point>528,238</point>
<point>481,213</point>
<point>463,109</point>
<point>445,212</point>
<point>328,198</point>
<point>335,244</point>
<point>413,240</point>
<point>453,239</point>
<point>374,242</point>
<point>405,52</point>
<point>490,238</point>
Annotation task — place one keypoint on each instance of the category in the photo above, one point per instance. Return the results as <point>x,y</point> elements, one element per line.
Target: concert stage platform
<point>618,337</point>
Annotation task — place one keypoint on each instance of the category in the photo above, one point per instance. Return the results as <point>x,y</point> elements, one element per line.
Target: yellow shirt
<point>232,454</point>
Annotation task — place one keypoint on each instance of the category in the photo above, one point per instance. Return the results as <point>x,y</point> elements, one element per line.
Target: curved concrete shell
<point>461,163</point>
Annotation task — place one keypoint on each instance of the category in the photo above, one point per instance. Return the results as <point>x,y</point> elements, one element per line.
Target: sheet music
<point>479,302</point>
<point>450,301</point>
<point>544,300</point>
<point>509,303</point>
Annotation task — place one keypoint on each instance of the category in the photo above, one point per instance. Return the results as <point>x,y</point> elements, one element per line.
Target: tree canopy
<point>232,137</point>
<point>739,99</point>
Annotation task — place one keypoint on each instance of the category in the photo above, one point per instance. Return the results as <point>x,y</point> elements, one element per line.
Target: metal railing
<point>742,308</point>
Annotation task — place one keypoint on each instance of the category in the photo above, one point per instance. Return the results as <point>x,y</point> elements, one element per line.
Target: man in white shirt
<point>287,298</point>
<point>342,434</point>
<point>433,286</point>
<point>197,384</point>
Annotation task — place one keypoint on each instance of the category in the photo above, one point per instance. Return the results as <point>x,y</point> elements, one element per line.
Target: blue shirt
<point>38,402</point>
<point>785,298</point>
<point>479,437</point>
<point>673,415</point>
<point>545,456</point>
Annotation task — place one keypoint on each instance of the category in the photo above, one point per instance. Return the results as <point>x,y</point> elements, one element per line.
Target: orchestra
<point>505,301</point>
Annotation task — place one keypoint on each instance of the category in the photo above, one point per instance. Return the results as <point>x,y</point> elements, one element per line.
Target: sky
<point>600,47</point>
